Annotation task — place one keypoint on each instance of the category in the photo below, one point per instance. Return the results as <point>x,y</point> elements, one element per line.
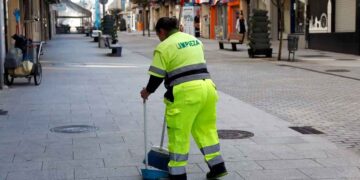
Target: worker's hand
<point>144,94</point>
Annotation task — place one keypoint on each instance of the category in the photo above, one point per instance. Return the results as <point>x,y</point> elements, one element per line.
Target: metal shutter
<point>345,16</point>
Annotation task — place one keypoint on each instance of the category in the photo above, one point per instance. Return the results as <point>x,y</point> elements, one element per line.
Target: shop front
<point>233,11</point>
<point>334,25</point>
<point>218,20</point>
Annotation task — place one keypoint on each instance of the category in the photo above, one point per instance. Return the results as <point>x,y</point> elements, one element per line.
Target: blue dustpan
<point>151,174</point>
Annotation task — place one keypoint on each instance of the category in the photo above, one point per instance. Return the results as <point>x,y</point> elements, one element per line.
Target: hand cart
<point>34,50</point>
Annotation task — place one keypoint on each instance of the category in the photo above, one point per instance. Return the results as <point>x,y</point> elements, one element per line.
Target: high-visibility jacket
<point>178,59</point>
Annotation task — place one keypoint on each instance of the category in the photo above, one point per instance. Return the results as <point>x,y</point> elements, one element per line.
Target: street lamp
<point>103,2</point>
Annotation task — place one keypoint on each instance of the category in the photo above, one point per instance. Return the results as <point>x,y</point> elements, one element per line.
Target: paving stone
<point>278,140</point>
<point>236,166</point>
<point>126,178</point>
<point>94,153</point>
<point>201,176</point>
<point>41,156</point>
<point>30,146</point>
<point>338,162</point>
<point>309,154</point>
<point>99,140</point>
<point>288,164</point>
<point>42,175</point>
<point>3,175</point>
<point>313,146</point>
<point>248,148</point>
<point>93,163</point>
<point>123,161</point>
<point>273,174</point>
<point>20,166</point>
<point>93,179</point>
<point>6,157</point>
<point>105,172</point>
<point>8,147</point>
<point>338,172</point>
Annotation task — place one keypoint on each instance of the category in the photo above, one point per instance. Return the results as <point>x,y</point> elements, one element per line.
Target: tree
<point>280,4</point>
<point>115,14</point>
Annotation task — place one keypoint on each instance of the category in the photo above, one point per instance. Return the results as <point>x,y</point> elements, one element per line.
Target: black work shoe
<point>217,171</point>
<point>177,177</point>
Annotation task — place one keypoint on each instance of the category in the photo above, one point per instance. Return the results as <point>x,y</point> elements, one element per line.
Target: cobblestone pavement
<point>298,92</point>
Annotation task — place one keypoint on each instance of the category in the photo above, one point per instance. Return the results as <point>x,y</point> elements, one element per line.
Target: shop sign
<point>320,16</point>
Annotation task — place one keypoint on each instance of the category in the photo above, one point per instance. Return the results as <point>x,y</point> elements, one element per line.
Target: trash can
<point>293,41</point>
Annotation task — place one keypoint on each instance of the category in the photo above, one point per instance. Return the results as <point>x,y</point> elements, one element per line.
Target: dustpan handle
<point>163,134</point>
<point>145,136</point>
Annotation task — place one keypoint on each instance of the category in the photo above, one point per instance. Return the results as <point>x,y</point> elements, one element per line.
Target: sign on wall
<point>320,16</point>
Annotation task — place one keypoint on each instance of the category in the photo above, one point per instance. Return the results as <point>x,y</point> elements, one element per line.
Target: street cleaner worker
<point>190,98</point>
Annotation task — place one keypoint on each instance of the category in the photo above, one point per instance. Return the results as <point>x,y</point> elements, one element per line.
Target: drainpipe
<point>2,44</point>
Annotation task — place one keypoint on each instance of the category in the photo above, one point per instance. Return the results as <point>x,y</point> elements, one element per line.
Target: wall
<point>11,21</point>
<point>33,29</point>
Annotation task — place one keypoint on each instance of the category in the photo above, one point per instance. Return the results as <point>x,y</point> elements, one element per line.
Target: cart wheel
<point>8,80</point>
<point>37,74</point>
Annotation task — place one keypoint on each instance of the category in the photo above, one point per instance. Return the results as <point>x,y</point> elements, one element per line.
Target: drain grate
<point>234,134</point>
<point>3,113</point>
<point>337,70</point>
<point>306,130</point>
<point>74,129</point>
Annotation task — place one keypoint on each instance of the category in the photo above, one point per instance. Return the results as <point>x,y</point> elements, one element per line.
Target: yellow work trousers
<point>192,112</point>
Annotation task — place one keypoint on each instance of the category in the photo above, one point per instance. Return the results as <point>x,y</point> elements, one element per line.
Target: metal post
<point>104,11</point>
<point>2,44</point>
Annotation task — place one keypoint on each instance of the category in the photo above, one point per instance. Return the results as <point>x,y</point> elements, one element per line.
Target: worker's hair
<point>166,23</point>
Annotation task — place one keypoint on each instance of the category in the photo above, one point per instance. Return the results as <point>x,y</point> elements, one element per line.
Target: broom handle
<point>145,136</point>
<point>163,134</point>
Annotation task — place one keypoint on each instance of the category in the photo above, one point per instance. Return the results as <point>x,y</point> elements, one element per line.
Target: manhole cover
<point>2,112</point>
<point>234,134</point>
<point>74,129</point>
<point>346,59</point>
<point>337,70</point>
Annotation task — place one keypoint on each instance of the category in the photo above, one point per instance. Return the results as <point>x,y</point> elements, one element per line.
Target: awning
<point>80,11</point>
